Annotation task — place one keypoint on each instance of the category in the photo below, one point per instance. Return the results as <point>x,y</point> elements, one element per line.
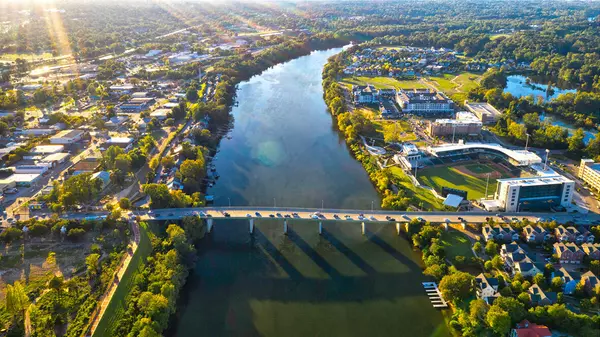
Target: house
<point>538,297</point>
<point>592,250</point>
<point>536,234</point>
<point>499,233</point>
<point>388,109</point>
<point>571,234</point>
<point>104,176</point>
<point>568,252</point>
<point>526,268</point>
<point>527,329</point>
<point>487,288</point>
<point>570,279</point>
<point>590,282</point>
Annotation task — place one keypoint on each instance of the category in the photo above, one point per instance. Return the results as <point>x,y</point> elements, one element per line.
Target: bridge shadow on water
<point>249,285</point>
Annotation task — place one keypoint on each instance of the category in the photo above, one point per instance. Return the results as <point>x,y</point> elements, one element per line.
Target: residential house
<point>499,233</point>
<point>536,234</point>
<point>568,252</point>
<point>538,297</point>
<point>592,250</point>
<point>570,279</point>
<point>571,234</point>
<point>526,268</point>
<point>528,329</point>
<point>487,288</point>
<point>590,282</point>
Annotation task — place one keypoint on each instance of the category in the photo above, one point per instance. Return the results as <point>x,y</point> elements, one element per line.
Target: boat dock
<point>434,295</point>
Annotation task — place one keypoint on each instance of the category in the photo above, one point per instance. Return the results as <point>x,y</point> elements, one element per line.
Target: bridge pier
<point>397,228</point>
<point>362,227</point>
<point>320,227</point>
<point>285,227</point>
<point>251,221</point>
<point>209,225</point>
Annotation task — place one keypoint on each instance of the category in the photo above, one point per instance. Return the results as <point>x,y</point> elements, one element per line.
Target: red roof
<point>527,329</point>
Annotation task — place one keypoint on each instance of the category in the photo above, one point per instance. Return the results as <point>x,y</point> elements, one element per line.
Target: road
<point>306,214</point>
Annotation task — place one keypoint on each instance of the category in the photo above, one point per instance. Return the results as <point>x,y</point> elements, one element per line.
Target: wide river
<point>284,150</point>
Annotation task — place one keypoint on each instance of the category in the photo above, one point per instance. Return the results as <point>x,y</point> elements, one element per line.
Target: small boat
<point>213,169</point>
<point>217,176</point>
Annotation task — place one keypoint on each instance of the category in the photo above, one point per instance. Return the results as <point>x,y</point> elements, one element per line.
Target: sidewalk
<point>118,276</point>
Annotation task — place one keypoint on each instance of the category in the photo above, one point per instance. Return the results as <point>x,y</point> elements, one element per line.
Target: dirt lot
<point>30,262</point>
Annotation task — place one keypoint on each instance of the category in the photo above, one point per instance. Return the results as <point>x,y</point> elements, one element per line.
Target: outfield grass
<point>116,307</point>
<point>382,82</point>
<point>430,202</point>
<point>438,177</point>
<point>456,244</point>
<point>479,168</point>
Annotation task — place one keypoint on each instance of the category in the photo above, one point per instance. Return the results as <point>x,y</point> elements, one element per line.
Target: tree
<point>92,263</point>
<point>192,94</point>
<point>523,298</point>
<point>512,306</point>
<point>478,310</point>
<point>178,238</point>
<point>493,78</point>
<point>458,286</point>
<point>194,227</point>
<point>191,173</point>
<point>557,283</point>
<point>124,203</point>
<point>167,162</point>
<point>498,320</point>
<point>576,141</point>
<point>491,248</point>
<point>436,271</point>
<point>159,195</point>
<point>595,267</point>
<point>56,283</point>
<point>497,262</point>
<point>539,279</point>
<point>16,299</point>
<point>477,247</point>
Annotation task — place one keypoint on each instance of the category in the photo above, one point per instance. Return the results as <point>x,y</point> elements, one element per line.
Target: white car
<point>372,218</point>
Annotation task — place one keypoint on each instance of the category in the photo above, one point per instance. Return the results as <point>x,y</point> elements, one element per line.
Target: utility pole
<point>527,141</point>
<point>546,162</point>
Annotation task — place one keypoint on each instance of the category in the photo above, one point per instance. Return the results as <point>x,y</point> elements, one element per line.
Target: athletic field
<point>470,177</point>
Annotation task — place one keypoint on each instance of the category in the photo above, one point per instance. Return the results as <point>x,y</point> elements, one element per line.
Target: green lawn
<point>382,82</point>
<point>496,36</point>
<point>116,307</point>
<point>455,244</point>
<point>453,84</point>
<point>438,177</point>
<point>407,134</point>
<point>424,196</point>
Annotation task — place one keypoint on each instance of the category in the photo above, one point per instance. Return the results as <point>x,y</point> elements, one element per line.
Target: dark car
<point>287,216</point>
<point>335,216</point>
<point>278,215</point>
<point>227,215</point>
<point>271,215</point>
<point>257,214</point>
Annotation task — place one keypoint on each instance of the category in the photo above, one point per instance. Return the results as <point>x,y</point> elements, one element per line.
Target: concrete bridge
<point>318,216</point>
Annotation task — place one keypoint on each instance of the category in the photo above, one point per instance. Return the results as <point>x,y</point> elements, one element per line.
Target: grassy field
<point>381,82</point>
<point>456,244</point>
<point>116,307</point>
<point>429,201</point>
<point>438,177</point>
<point>496,36</point>
<point>13,57</point>
<point>452,84</point>
<point>407,134</point>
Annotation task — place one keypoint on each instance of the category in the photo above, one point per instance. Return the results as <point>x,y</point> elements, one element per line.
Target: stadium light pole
<point>546,162</point>
<point>487,183</point>
<point>527,141</point>
<point>453,132</point>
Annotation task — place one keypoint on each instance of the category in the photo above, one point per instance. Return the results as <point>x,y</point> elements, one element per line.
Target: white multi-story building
<point>589,172</point>
<point>517,194</point>
<point>424,102</point>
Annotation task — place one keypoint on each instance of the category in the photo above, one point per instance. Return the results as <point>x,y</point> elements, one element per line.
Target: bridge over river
<point>289,215</point>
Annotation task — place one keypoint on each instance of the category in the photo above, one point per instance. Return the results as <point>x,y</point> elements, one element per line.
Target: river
<point>285,150</point>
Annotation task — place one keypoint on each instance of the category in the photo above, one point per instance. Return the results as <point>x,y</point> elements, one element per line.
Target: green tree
<point>498,320</point>
<point>92,263</point>
<point>539,279</point>
<point>557,283</point>
<point>124,203</point>
<point>16,299</point>
<point>458,286</point>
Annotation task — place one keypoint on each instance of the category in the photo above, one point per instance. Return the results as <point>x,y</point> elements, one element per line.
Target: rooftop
<point>520,156</point>
<point>536,181</point>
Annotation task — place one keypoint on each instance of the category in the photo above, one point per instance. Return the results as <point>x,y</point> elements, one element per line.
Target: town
<point>195,168</point>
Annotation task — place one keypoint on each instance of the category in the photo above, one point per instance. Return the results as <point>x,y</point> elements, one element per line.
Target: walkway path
<point>108,294</point>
